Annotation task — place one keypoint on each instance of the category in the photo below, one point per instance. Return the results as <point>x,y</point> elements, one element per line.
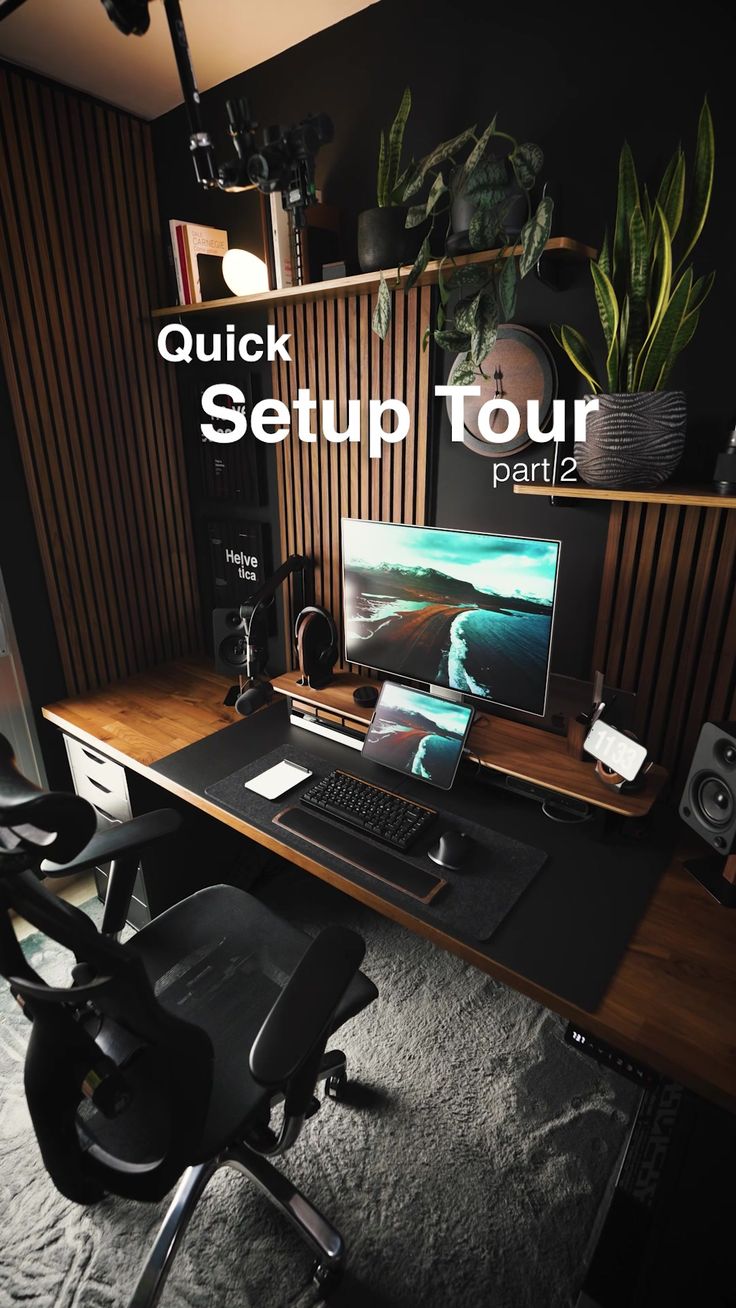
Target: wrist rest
<point>351,848</point>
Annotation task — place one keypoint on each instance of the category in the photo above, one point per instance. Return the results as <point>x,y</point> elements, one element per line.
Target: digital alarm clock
<point>619,753</point>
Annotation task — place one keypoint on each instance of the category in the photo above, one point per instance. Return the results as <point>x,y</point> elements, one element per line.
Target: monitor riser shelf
<point>513,748</point>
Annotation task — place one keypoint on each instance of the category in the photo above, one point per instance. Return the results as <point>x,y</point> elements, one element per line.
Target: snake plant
<point>648,299</point>
<point>487,290</point>
<point>390,180</point>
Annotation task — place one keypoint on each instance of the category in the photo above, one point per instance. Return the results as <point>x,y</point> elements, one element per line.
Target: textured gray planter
<point>633,441</point>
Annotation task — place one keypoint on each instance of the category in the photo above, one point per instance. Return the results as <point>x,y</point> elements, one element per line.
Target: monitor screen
<point>418,734</point>
<point>465,610</point>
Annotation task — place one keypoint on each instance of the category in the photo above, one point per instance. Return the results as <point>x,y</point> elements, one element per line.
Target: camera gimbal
<point>284,159</point>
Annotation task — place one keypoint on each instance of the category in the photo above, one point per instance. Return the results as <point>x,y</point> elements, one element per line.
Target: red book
<point>183,264</point>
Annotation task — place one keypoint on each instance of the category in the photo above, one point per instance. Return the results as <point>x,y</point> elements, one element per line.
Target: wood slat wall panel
<point>94,409</point>
<point>667,621</point>
<point>337,357</point>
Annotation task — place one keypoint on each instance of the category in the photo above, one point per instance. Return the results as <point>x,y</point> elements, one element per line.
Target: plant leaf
<point>608,312</point>
<point>382,311</point>
<point>464,373</point>
<point>507,282</point>
<point>604,258</point>
<point>671,194</point>
<point>578,352</point>
<point>438,156</point>
<point>657,358</point>
<point>626,199</point>
<point>465,313</point>
<point>397,195</point>
<point>663,247</point>
<point>700,292</point>
<point>485,329</point>
<point>436,191</point>
<point>483,228</point>
<point>466,275</point>
<point>637,296</point>
<point>382,187</point>
<point>489,175</point>
<point>396,142</point>
<point>535,234</point>
<point>420,264</point>
<point>702,183</point>
<point>526,162</point>
<point>685,333</point>
<point>474,158</point>
<point>415,215</point>
<point>451,339</point>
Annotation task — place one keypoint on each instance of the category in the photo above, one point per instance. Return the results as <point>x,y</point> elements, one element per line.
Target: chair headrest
<point>37,824</point>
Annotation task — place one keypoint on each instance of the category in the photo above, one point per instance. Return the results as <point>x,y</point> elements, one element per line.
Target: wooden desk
<point>671,1002</point>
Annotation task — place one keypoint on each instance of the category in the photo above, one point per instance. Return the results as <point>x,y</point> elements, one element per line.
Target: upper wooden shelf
<point>702,497</point>
<point>368,282</point>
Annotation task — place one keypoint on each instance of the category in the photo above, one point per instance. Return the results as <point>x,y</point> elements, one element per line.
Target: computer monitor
<point>470,611</point>
<point>418,734</point>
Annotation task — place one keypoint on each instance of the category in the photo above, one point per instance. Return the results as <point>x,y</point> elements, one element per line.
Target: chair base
<point>323,1239</point>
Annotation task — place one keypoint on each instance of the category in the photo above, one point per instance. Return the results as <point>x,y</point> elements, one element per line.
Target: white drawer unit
<point>99,780</point>
<point>102,781</point>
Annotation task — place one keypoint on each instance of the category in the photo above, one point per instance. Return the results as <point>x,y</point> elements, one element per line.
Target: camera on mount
<point>283,162</point>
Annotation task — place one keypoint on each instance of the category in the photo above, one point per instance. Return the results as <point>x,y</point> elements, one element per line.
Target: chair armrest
<point>127,838</point>
<point>300,1019</point>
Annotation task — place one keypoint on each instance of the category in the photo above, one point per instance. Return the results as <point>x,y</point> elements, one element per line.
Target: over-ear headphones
<point>317,643</point>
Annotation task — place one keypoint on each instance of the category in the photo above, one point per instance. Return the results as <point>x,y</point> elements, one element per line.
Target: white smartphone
<point>619,752</point>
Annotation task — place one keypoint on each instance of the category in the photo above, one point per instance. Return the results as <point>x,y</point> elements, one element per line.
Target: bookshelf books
<point>189,242</point>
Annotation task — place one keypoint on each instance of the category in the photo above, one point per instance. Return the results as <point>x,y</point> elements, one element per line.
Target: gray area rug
<point>467,1170</point>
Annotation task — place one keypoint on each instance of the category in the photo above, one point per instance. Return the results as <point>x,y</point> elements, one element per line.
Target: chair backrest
<point>117,1087</point>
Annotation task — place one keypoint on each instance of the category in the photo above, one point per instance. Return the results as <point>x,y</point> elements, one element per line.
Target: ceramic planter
<point>383,240</point>
<point>634,441</point>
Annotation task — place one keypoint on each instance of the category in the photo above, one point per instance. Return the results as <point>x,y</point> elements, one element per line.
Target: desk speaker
<point>708,805</point>
<point>228,642</point>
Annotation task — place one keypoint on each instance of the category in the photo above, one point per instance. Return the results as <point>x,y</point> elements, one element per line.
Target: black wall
<point>577,80</point>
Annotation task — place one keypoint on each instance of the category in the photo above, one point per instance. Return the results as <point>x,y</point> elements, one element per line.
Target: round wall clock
<point>518,368</point>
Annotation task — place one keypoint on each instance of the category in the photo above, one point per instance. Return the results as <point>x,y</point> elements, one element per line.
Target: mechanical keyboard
<point>379,813</point>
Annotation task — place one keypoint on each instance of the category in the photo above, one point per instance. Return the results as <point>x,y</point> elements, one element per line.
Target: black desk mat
<point>476,898</point>
<point>567,932</point>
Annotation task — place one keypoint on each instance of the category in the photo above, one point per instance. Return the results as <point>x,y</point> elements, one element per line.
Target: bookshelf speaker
<point>229,642</point>
<point>708,805</point>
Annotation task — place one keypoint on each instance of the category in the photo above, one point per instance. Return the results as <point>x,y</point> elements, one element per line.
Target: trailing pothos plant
<point>648,299</point>
<point>465,165</point>
<point>391,182</point>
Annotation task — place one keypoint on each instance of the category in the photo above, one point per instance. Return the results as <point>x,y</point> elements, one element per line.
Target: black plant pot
<point>634,441</point>
<point>383,239</point>
<point>464,207</point>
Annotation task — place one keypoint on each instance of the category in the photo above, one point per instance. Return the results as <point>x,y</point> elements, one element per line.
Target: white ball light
<point>244,272</point>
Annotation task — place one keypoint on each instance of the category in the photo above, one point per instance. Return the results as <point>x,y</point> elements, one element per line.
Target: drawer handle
<point>105,789</point>
<point>95,757</point>
<point>107,815</point>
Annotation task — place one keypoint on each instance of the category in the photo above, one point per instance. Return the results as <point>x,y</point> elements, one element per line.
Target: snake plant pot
<point>383,239</point>
<point>634,441</point>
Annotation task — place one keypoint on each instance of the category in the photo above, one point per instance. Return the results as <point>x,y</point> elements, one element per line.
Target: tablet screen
<point>419,734</point>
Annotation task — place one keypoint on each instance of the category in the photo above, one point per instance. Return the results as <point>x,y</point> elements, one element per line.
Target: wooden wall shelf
<point>512,747</point>
<point>363,283</point>
<point>700,497</point>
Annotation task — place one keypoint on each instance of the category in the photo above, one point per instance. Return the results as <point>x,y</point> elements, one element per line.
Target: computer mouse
<point>453,849</point>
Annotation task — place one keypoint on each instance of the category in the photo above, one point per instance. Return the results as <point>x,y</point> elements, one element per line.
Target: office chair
<point>171,1053</point>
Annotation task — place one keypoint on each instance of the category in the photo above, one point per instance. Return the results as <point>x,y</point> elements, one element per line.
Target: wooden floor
<point>672,1001</point>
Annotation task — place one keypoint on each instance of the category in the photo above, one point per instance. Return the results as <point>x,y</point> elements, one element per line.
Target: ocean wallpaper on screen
<point>460,609</point>
<point>414,733</point>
